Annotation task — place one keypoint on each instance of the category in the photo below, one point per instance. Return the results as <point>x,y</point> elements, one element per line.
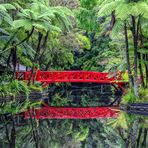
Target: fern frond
<point>108,8</point>
<point>8,6</point>
<point>22,23</point>
<point>142,8</point>
<point>123,11</point>
<point>117,28</point>
<point>3,31</point>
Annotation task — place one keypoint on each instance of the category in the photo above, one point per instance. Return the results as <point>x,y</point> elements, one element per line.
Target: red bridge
<point>48,77</point>
<point>72,113</point>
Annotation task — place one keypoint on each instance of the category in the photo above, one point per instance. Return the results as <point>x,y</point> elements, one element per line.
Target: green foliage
<point>13,88</point>
<point>82,135</point>
<point>129,97</point>
<point>4,15</point>
<point>35,87</point>
<point>13,107</point>
<point>123,9</point>
<point>42,17</point>
<point>122,121</point>
<point>60,101</point>
<point>86,15</point>
<point>116,31</point>
<point>143,95</point>
<point>143,51</point>
<point>83,41</point>
<point>88,4</point>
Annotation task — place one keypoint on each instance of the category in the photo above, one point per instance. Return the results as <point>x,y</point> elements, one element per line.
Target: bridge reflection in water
<point>51,77</point>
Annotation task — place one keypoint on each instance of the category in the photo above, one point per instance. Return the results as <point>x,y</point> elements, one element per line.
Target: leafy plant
<point>129,97</point>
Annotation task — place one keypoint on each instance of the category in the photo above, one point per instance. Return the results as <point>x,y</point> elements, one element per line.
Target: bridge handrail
<point>44,76</point>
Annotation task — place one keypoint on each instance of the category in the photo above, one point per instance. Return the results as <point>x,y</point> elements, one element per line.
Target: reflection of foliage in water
<point>77,95</point>
<point>57,100</point>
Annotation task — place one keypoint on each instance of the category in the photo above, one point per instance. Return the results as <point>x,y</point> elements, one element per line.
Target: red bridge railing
<point>69,76</point>
<point>72,113</point>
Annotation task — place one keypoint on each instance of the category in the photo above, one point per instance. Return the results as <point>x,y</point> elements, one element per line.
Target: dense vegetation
<point>95,35</point>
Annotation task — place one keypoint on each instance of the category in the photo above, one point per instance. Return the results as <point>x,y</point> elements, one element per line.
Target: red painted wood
<point>69,76</point>
<point>72,113</point>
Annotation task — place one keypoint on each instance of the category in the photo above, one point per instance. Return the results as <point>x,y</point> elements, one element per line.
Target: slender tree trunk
<point>135,40</point>
<point>36,56</point>
<point>33,129</point>
<point>7,131</point>
<point>141,70</point>
<point>38,47</point>
<point>48,65</point>
<point>44,48</point>
<point>127,56</point>
<point>139,31</point>
<point>146,69</point>
<point>134,133</point>
<point>13,133</point>
<point>139,137</point>
<point>144,139</point>
<point>121,133</point>
<point>113,20</point>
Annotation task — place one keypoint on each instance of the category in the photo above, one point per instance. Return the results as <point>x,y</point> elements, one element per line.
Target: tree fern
<point>107,9</point>
<point>43,18</point>
<point>4,16</point>
<point>124,9</point>
<point>142,8</point>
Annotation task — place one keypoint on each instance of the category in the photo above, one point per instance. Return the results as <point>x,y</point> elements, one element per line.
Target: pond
<point>126,130</point>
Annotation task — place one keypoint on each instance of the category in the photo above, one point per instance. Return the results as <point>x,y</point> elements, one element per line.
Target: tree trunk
<point>44,48</point>
<point>33,130</point>
<point>145,137</point>
<point>146,69</point>
<point>139,136</point>
<point>139,31</point>
<point>113,20</point>
<point>38,47</point>
<point>135,40</point>
<point>141,70</point>
<point>6,130</point>
<point>13,133</point>
<point>134,133</point>
<point>131,138</point>
<point>36,56</point>
<point>127,56</point>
